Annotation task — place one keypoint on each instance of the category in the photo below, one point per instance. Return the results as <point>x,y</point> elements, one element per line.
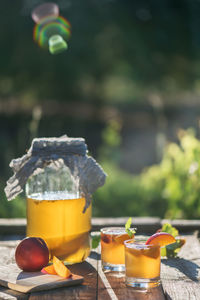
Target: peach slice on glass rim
<point>161,239</point>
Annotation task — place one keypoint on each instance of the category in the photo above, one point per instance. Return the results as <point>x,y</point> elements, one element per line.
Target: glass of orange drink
<point>142,264</point>
<point>143,260</point>
<point>112,248</point>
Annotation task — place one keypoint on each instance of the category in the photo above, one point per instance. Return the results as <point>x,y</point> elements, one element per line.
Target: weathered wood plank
<point>112,286</point>
<point>146,225</point>
<point>7,250</point>
<point>7,294</point>
<point>180,279</point>
<point>180,276</point>
<point>12,226</point>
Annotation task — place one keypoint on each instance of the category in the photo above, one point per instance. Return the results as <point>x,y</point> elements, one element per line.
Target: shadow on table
<point>187,267</point>
<point>87,269</point>
<point>24,275</point>
<point>168,297</point>
<point>95,255</point>
<point>82,269</point>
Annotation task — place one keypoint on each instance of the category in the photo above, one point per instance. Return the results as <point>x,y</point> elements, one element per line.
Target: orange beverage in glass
<point>58,218</point>
<point>142,264</point>
<point>112,248</point>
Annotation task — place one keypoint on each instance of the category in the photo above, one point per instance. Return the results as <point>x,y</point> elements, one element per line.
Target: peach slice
<point>121,238</point>
<point>106,238</point>
<point>161,239</point>
<point>153,252</point>
<point>60,268</point>
<point>49,270</point>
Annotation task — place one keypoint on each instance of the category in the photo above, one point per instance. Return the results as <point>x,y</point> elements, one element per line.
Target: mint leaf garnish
<point>171,250</point>
<point>170,229</point>
<point>95,240</point>
<point>129,231</point>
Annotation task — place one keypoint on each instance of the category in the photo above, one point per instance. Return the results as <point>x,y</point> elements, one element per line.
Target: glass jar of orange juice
<point>55,213</point>
<point>60,179</point>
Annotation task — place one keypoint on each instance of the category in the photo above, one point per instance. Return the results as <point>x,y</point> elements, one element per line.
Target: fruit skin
<point>182,241</point>
<point>161,239</point>
<point>106,238</point>
<point>32,254</point>
<point>60,268</point>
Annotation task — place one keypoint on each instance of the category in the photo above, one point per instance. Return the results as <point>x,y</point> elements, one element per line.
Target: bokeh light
<point>51,31</point>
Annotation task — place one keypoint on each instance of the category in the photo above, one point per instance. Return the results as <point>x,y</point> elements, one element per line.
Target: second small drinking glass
<point>142,264</point>
<point>112,248</point>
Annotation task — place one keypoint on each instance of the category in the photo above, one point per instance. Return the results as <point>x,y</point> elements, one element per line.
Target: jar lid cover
<point>43,151</point>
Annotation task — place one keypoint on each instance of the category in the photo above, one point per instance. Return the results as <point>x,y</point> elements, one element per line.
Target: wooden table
<point>180,278</point>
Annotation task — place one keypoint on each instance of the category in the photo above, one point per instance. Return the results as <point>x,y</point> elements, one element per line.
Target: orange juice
<point>58,218</point>
<point>112,248</point>
<point>142,262</point>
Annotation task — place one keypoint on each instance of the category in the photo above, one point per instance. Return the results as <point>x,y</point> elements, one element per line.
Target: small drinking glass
<point>142,264</point>
<point>112,248</point>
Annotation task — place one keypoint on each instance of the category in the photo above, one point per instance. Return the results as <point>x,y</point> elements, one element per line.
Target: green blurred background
<point>129,83</point>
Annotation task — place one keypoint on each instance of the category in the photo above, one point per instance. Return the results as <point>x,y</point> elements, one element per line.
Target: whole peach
<point>32,254</point>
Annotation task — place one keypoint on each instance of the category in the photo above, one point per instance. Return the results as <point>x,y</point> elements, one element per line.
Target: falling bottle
<point>51,31</point>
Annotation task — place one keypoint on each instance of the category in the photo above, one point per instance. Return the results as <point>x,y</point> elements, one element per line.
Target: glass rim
<point>112,229</point>
<point>140,242</point>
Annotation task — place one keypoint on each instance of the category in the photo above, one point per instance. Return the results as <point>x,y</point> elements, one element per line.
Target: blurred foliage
<point>176,180</point>
<point>11,209</point>
<point>169,190</point>
<point>111,137</point>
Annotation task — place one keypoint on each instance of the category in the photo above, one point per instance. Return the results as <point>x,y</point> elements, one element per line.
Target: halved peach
<point>49,270</point>
<point>60,268</point>
<point>161,239</point>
